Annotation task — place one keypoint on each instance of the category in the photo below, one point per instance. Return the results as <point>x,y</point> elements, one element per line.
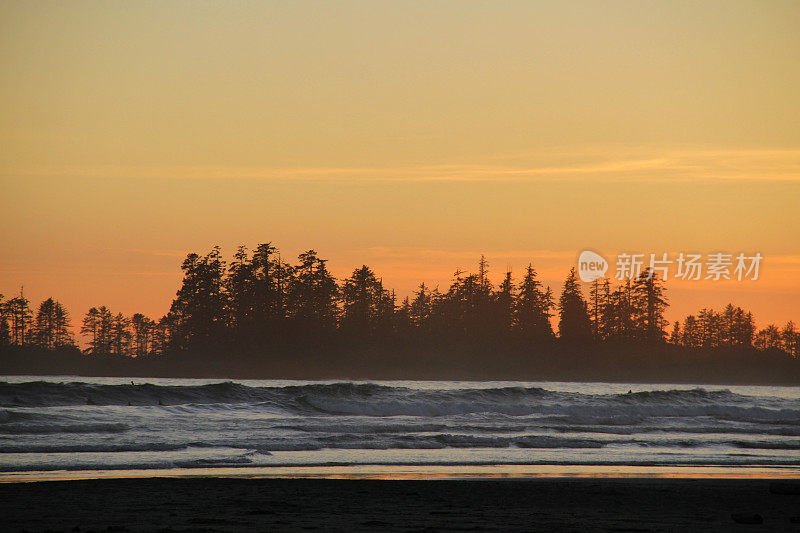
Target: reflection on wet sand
<point>432,472</point>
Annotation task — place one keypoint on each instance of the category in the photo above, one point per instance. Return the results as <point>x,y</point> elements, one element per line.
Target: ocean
<point>74,425</point>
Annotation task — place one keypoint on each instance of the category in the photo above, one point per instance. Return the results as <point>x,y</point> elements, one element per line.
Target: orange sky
<point>411,137</point>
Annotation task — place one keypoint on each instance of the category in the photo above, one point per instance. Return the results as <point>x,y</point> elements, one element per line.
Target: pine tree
<point>90,328</point>
<point>44,329</point>
<point>362,296</point>
<point>5,329</point>
<point>97,325</point>
<point>20,317</point>
<point>574,324</point>
<point>708,328</point>
<point>63,333</point>
<point>598,300</point>
<point>120,335</point>
<point>675,336</point>
<point>420,311</point>
<point>503,306</point>
<point>240,286</point>
<point>403,324</point>
<point>650,303</point>
<point>790,339</point>
<point>142,334</point>
<point>691,336</point>
<point>620,315</point>
<point>533,308</point>
<point>199,310</point>
<point>768,338</point>
<point>313,293</point>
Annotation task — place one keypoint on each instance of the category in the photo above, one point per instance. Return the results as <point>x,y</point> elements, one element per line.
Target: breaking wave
<point>79,425</point>
<point>375,400</point>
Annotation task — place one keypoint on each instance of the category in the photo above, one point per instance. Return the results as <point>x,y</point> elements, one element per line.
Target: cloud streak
<point>623,164</point>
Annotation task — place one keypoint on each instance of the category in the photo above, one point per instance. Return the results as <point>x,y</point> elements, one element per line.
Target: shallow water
<point>77,424</point>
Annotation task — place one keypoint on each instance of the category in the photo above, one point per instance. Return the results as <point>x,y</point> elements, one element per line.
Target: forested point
<point>259,316</point>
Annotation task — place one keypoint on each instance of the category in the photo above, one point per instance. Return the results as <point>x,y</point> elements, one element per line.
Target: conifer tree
<point>574,324</point>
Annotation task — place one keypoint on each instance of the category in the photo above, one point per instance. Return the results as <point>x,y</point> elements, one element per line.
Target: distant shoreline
<point>346,378</point>
<point>611,364</point>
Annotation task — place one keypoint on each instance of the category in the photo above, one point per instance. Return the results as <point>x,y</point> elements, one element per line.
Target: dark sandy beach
<point>219,504</point>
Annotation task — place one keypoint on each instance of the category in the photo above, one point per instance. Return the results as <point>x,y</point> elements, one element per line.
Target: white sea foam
<point>99,423</point>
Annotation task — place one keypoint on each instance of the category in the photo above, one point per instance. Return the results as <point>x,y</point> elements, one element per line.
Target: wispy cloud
<point>625,164</point>
<point>413,253</point>
<point>141,251</point>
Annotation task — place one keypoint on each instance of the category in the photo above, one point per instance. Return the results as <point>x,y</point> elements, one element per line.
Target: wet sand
<point>552,504</point>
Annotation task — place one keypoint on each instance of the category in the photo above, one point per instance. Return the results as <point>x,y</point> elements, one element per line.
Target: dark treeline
<point>261,316</point>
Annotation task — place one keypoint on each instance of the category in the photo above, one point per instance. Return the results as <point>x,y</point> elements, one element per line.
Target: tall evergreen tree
<point>790,339</point>
<point>362,296</point>
<point>272,280</point>
<point>313,293</point>
<point>768,338</point>
<point>503,307</point>
<point>199,308</point>
<point>97,326</point>
<point>20,317</point>
<point>421,307</point>
<point>240,285</point>
<point>403,324</point>
<point>5,329</point>
<point>691,336</point>
<point>51,327</point>
<point>142,334</point>
<point>120,335</point>
<point>63,332</point>
<point>675,336</point>
<point>90,328</point>
<point>708,328</point>
<point>598,299</point>
<point>574,324</point>
<point>651,302</point>
<point>533,308</point>
<point>619,314</point>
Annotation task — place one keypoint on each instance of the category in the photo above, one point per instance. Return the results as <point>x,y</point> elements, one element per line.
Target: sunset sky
<point>410,136</point>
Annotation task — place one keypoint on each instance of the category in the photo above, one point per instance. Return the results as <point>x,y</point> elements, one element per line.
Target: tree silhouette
<point>619,314</point>
<point>20,317</point>
<point>650,303</point>
<point>260,308</point>
<point>51,327</point>
<point>362,302</point>
<point>120,335</point>
<point>5,329</point>
<point>533,308</point>
<point>199,309</point>
<point>675,335</point>
<point>598,300</point>
<point>142,334</point>
<point>574,324</point>
<point>690,337</point>
<point>790,339</point>
<point>98,324</point>
<point>768,338</point>
<point>313,294</point>
<point>502,315</point>
<point>421,307</point>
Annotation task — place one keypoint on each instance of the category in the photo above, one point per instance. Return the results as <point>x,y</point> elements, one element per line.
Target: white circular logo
<point>591,266</point>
